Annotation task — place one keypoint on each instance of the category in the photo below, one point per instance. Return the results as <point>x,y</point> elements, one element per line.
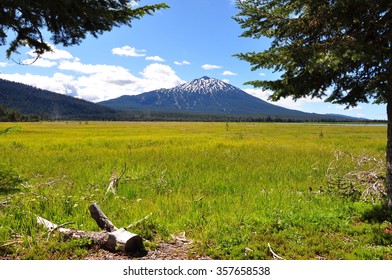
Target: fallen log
<point>121,238</point>
<point>97,237</point>
<point>111,238</point>
<point>102,221</point>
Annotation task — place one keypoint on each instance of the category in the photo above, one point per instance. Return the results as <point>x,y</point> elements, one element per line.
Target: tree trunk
<point>389,151</point>
<point>100,238</point>
<point>122,239</point>
<point>102,221</point>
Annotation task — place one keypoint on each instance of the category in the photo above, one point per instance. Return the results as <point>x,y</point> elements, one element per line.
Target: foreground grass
<point>234,188</point>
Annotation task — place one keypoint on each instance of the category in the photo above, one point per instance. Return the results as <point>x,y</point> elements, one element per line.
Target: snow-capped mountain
<point>206,96</point>
<point>204,85</point>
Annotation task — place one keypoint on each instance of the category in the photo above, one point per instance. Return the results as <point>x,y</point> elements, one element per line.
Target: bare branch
<point>357,176</point>
<point>276,256</point>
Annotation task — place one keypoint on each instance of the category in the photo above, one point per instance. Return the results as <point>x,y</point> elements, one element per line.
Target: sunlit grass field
<point>233,188</point>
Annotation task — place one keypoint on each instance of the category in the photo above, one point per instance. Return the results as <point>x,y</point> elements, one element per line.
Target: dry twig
<point>276,256</point>
<point>114,180</point>
<point>357,176</point>
<point>11,243</point>
<point>141,220</point>
<point>56,227</point>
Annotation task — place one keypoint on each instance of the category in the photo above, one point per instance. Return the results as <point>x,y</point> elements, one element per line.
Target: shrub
<point>9,178</point>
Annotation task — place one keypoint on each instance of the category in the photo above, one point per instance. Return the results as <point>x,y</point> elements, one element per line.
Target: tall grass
<point>233,188</point>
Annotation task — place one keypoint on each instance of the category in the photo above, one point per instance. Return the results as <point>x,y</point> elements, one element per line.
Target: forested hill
<point>30,100</point>
<point>20,102</point>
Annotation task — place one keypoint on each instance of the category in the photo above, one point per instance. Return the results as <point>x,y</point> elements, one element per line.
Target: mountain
<point>204,99</point>
<point>29,100</point>
<point>209,96</point>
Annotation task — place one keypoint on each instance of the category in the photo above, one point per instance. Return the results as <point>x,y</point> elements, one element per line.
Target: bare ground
<point>180,248</point>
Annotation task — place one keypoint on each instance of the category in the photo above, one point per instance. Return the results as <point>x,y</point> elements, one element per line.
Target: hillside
<point>29,100</point>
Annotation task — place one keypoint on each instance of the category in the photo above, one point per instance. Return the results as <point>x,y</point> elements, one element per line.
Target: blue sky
<point>193,38</point>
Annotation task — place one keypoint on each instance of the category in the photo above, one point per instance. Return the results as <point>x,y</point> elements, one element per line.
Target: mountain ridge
<point>207,95</point>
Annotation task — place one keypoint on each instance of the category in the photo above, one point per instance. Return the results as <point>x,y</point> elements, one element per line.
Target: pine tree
<point>339,46</point>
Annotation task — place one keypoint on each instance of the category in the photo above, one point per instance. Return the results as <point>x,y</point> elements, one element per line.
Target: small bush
<point>9,178</point>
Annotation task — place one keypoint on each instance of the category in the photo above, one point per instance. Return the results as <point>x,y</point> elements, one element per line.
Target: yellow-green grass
<point>231,187</point>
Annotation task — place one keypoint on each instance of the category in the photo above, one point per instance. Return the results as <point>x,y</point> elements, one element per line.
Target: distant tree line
<point>10,115</point>
<point>181,116</point>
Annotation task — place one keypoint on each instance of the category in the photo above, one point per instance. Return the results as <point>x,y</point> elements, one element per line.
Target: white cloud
<point>155,58</point>
<point>211,67</point>
<point>259,93</point>
<point>229,73</point>
<point>184,62</point>
<point>158,75</point>
<point>287,102</point>
<point>55,54</point>
<point>40,62</point>
<point>344,107</point>
<point>262,74</point>
<point>226,81</point>
<point>47,59</point>
<point>95,82</point>
<point>119,81</point>
<point>134,3</point>
<point>100,82</point>
<point>319,106</point>
<point>128,51</point>
<point>106,85</point>
<point>77,66</point>
<point>59,82</point>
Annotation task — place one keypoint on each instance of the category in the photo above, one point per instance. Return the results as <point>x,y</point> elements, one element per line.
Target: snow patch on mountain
<point>204,85</point>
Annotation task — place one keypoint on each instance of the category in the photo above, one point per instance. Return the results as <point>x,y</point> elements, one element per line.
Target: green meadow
<point>233,188</point>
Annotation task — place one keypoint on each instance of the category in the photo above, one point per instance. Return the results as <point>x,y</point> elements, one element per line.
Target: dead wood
<point>97,237</point>
<point>102,221</point>
<point>276,256</point>
<point>113,184</point>
<point>111,238</point>
<point>114,180</point>
<point>357,176</point>
<point>138,222</point>
<point>11,243</point>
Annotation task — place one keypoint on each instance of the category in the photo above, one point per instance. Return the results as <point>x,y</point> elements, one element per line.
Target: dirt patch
<point>180,248</point>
